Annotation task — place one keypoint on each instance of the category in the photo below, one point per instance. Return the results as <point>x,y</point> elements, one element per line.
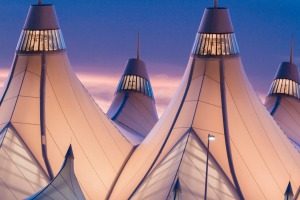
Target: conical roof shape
<point>187,158</point>
<point>283,100</point>
<point>65,184</point>
<point>133,107</point>
<point>255,158</point>
<point>287,70</point>
<point>50,109</point>
<point>41,17</point>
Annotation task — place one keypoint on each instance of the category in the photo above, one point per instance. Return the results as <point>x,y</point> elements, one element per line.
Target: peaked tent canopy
<point>50,109</point>
<point>64,186</point>
<point>215,97</point>
<point>283,101</point>
<point>133,107</point>
<point>186,162</point>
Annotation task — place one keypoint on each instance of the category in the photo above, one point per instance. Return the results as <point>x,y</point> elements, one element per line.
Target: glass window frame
<point>135,83</point>
<point>215,44</point>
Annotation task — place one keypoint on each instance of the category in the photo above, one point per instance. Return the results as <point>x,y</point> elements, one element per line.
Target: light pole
<point>210,138</point>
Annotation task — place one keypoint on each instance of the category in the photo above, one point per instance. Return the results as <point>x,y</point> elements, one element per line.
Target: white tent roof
<point>215,97</point>
<point>186,162</point>
<point>283,101</point>
<point>134,138</point>
<point>50,109</point>
<point>133,107</point>
<point>287,116</point>
<point>64,186</point>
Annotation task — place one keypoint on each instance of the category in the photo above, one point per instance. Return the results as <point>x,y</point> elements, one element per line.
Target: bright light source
<point>211,137</point>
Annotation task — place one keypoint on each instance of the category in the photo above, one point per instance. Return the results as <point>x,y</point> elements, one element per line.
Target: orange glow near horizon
<point>103,86</point>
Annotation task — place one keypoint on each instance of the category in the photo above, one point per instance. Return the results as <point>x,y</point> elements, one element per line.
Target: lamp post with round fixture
<point>210,138</point>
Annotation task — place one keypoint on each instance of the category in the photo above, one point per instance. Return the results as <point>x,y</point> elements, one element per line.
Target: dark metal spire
<point>215,3</point>
<point>69,153</point>
<point>138,47</point>
<point>292,50</point>
<point>289,192</point>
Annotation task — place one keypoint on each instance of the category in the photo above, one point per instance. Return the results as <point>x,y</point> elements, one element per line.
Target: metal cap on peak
<point>41,17</point>
<point>41,31</point>
<point>286,80</point>
<point>288,70</point>
<point>215,35</point>
<point>216,20</point>
<point>136,67</point>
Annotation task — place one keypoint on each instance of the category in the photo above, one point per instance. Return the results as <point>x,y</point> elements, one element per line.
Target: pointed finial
<point>289,194</point>
<point>215,3</point>
<point>39,2</point>
<point>138,47</point>
<point>69,153</point>
<point>292,50</point>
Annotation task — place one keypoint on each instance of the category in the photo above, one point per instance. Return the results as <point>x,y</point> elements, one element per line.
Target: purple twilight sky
<point>101,35</point>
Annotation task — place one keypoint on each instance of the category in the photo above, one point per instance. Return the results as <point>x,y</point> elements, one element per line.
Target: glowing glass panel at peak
<point>285,86</point>
<point>41,40</point>
<point>215,44</point>
<point>135,83</point>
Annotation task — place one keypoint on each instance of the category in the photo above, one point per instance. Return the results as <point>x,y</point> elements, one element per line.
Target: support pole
<point>206,173</point>
<point>43,117</point>
<point>138,47</point>
<point>292,50</point>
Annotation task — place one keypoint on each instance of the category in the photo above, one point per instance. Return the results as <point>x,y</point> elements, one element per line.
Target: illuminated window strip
<point>215,44</point>
<point>285,86</point>
<point>135,83</point>
<point>41,40</point>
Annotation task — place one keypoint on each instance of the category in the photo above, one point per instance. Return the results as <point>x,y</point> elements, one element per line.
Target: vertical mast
<point>292,50</point>
<point>138,47</point>
<point>215,3</point>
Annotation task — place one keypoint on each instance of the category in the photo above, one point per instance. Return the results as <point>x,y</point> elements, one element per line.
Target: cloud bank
<point>102,87</point>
